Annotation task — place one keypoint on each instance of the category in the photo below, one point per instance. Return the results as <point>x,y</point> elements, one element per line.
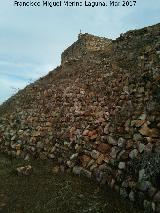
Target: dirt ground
<point>45,192</point>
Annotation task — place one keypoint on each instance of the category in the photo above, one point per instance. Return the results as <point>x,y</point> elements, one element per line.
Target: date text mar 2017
<point>74,3</point>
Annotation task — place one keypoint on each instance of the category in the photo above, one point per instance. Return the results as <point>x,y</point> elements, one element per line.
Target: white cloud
<point>10,83</point>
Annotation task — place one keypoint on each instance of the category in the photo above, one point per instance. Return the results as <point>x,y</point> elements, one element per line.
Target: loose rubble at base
<point>97,115</point>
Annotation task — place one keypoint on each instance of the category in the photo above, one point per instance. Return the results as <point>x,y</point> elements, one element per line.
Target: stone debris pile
<point>98,116</point>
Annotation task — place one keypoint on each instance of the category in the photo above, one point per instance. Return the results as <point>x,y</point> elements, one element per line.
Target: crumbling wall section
<point>85,43</point>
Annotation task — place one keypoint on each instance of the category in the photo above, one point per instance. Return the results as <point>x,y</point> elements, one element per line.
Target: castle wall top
<point>85,43</point>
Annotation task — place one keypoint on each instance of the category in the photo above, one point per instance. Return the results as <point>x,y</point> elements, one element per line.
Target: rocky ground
<point>42,191</point>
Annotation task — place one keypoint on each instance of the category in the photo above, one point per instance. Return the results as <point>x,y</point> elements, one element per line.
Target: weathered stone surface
<point>104,148</point>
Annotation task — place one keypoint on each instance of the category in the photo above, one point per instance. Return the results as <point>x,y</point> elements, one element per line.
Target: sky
<point>33,38</point>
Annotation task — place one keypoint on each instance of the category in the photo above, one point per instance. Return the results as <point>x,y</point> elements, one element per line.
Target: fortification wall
<point>85,43</point>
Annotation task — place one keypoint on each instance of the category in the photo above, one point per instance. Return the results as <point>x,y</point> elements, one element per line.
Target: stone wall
<point>86,43</point>
<point>101,120</point>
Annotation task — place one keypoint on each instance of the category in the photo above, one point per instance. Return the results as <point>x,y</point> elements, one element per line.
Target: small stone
<point>92,134</point>
<point>144,186</point>
<point>148,147</point>
<point>143,116</point>
<point>132,196</point>
<point>100,159</point>
<point>93,167</point>
<point>111,140</point>
<point>104,148</point>
<point>122,165</point>
<point>133,154</point>
<point>154,207</point>
<point>141,147</point>
<point>137,137</point>
<point>24,170</point>
<point>121,142</point>
<point>77,170</point>
<point>123,155</point>
<point>51,156</point>
<point>39,145</point>
<point>85,159</point>
<point>142,175</point>
<point>106,130</point>
<point>95,154</point>
<point>146,131</point>
<point>85,132</point>
<point>114,152</point>
<point>27,157</point>
<point>137,123</point>
<point>74,156</point>
<point>112,183</point>
<point>55,169</point>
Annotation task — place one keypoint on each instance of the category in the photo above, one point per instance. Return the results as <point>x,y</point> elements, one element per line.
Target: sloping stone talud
<point>97,114</point>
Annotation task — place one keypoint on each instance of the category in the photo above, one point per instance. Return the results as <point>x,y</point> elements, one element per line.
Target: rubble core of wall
<point>98,116</point>
<point>86,43</point>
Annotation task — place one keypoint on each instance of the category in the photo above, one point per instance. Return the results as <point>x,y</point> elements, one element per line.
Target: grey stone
<point>132,196</point>
<point>95,154</point>
<point>143,116</point>
<point>142,175</point>
<point>133,154</point>
<point>77,170</point>
<point>111,140</point>
<point>51,156</point>
<point>141,147</point>
<point>144,186</point>
<point>137,137</point>
<point>74,156</point>
<point>114,152</point>
<point>121,142</point>
<point>39,145</point>
<point>122,165</point>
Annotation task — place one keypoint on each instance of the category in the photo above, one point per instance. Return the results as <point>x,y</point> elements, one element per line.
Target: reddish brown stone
<point>84,159</point>
<point>104,148</point>
<point>100,159</point>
